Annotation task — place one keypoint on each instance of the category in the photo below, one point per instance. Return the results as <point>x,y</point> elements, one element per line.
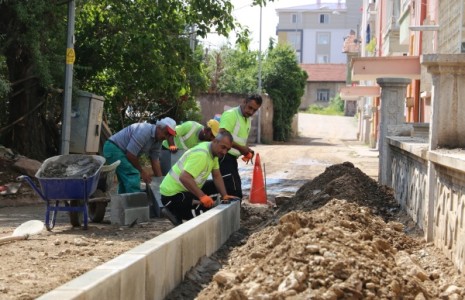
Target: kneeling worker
<point>187,179</point>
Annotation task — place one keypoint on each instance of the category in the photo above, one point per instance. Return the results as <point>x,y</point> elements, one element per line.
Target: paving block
<point>95,284</point>
<point>131,270</point>
<point>163,256</point>
<point>61,294</point>
<point>126,208</point>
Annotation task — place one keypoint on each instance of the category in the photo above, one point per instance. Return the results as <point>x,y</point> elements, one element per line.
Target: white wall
<point>309,46</point>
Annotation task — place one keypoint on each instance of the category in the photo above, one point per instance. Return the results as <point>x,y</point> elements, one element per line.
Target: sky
<point>250,17</point>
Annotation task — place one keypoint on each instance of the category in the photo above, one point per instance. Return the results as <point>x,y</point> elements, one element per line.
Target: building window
<point>295,19</point>
<point>323,95</point>
<point>323,38</point>
<point>324,18</point>
<point>322,59</point>
<point>294,39</point>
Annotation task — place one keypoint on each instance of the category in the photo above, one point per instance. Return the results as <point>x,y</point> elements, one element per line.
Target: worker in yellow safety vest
<point>237,121</point>
<point>190,133</point>
<point>187,180</point>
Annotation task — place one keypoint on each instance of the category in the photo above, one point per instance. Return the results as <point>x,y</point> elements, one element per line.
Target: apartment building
<point>317,30</point>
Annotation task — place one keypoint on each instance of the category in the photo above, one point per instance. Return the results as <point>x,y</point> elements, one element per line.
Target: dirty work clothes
<point>128,176</point>
<point>187,135</point>
<point>181,204</point>
<point>230,172</point>
<point>239,126</point>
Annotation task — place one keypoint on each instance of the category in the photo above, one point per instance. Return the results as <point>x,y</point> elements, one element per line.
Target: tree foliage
<point>284,81</point>
<point>236,71</point>
<point>136,53</point>
<point>233,70</point>
<point>32,48</point>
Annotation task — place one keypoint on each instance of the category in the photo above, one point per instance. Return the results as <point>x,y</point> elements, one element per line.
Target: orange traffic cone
<point>257,188</point>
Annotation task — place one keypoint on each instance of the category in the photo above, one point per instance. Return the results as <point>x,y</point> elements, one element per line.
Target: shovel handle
<point>13,238</point>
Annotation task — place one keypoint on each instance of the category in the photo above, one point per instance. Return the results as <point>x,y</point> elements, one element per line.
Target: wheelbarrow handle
<point>32,184</point>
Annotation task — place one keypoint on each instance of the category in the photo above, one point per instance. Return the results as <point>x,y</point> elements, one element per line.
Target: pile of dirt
<point>342,236</point>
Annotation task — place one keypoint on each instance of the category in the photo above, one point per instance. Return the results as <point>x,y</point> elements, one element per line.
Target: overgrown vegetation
<point>335,107</point>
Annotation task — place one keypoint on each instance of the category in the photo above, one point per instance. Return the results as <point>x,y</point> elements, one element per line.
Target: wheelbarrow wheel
<point>75,217</point>
<point>97,211</point>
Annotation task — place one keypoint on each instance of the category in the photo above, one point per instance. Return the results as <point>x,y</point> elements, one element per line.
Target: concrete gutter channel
<point>154,268</point>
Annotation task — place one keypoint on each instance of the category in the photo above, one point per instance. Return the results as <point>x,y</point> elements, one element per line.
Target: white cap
<point>170,123</point>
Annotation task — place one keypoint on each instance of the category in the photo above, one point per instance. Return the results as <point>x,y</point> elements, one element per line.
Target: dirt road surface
<point>323,141</point>
<point>304,165</point>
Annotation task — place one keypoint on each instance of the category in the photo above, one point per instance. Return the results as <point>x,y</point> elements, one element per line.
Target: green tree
<point>284,81</point>
<point>233,70</point>
<point>32,47</point>
<point>136,53</point>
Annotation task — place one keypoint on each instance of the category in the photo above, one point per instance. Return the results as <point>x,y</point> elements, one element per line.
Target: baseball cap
<point>170,125</point>
<point>214,125</point>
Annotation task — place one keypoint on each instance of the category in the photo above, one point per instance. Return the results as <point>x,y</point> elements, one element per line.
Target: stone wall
<point>449,210</point>
<point>409,181</point>
<point>430,187</point>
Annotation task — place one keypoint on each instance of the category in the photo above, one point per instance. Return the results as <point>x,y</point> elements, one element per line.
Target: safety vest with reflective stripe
<point>183,140</point>
<point>238,125</point>
<point>203,165</point>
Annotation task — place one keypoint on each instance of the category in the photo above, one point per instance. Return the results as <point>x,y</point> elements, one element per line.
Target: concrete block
<point>125,208</point>
<point>163,256</point>
<point>95,284</point>
<point>62,294</point>
<point>230,221</point>
<point>194,242</point>
<point>213,233</point>
<point>131,270</point>
<point>131,199</point>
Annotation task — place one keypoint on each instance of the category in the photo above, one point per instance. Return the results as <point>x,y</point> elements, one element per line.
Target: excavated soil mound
<point>339,251</point>
<point>342,236</point>
<point>344,181</point>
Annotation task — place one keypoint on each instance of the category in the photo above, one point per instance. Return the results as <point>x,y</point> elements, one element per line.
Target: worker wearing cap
<point>237,121</point>
<point>190,133</point>
<point>186,181</point>
<point>129,144</point>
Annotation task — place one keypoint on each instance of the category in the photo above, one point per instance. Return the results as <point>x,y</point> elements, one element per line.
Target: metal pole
<point>259,131</point>
<point>68,90</point>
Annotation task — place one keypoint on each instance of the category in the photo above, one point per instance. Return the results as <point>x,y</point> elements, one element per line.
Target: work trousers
<point>181,205</point>
<point>128,176</point>
<point>230,171</point>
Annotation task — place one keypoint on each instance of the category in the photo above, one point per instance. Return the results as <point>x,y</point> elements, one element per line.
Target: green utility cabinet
<point>86,122</point>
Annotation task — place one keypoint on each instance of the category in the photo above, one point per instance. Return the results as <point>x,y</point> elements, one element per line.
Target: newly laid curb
<point>154,268</point>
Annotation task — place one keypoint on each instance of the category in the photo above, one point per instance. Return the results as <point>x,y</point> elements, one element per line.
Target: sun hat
<point>170,125</point>
<point>214,125</point>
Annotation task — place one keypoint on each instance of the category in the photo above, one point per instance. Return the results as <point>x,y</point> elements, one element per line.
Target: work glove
<point>206,201</point>
<point>248,157</point>
<point>173,149</point>
<point>228,198</point>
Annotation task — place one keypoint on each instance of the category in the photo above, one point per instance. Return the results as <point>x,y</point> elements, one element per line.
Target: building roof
<point>326,6</point>
<point>325,72</point>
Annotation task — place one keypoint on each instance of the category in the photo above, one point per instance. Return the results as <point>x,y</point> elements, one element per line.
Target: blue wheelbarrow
<point>66,183</point>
